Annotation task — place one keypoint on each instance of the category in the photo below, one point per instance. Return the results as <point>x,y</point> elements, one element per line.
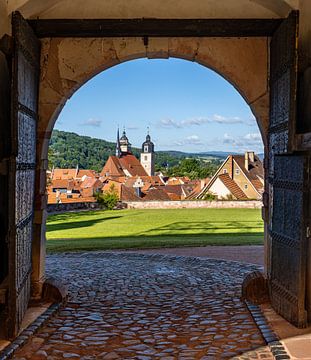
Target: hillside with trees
<point>67,150</point>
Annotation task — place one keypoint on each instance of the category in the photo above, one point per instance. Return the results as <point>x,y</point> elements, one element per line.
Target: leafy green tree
<point>108,199</point>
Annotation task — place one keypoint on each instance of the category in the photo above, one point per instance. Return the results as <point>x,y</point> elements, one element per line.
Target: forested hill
<point>67,150</point>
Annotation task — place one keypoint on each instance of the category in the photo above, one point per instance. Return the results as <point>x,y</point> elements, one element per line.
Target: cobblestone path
<point>135,306</point>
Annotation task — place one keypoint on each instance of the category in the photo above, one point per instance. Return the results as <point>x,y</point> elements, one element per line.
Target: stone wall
<point>252,204</point>
<point>57,208</point>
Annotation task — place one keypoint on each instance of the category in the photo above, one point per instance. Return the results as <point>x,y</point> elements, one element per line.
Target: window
<point>146,148</point>
<point>146,157</point>
<point>225,171</point>
<point>245,186</point>
<point>237,171</point>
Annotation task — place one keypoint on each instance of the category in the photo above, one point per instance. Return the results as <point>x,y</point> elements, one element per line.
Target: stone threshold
<point>29,331</point>
<point>272,340</point>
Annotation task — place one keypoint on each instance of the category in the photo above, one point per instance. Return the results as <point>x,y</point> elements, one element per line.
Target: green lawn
<point>125,229</point>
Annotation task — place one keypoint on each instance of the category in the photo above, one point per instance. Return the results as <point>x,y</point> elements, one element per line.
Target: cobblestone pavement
<point>135,306</point>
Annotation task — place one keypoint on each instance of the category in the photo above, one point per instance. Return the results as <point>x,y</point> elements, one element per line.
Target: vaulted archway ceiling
<point>49,9</point>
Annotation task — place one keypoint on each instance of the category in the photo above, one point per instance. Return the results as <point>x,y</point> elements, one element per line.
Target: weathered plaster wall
<point>68,63</point>
<point>4,19</point>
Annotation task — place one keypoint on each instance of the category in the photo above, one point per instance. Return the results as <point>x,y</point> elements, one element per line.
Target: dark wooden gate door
<point>287,180</point>
<point>25,80</point>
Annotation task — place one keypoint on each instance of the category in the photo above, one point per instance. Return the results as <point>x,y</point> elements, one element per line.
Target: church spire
<point>118,150</point>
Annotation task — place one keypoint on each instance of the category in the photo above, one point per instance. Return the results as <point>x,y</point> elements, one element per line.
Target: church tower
<point>147,156</point>
<point>118,149</point>
<point>125,145</point>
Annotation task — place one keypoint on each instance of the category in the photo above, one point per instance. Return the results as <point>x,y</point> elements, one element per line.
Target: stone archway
<point>68,63</point>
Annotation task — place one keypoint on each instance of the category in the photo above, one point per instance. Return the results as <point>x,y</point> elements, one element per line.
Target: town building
<point>240,177</point>
<point>147,156</point>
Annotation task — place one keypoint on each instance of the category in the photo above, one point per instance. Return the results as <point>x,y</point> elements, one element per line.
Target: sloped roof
<point>198,186</point>
<point>112,167</point>
<point>128,194</point>
<point>153,180</point>
<point>62,174</point>
<point>232,186</point>
<point>117,166</point>
<point>173,189</point>
<point>156,195</point>
<point>132,165</point>
<point>63,184</point>
<point>90,183</point>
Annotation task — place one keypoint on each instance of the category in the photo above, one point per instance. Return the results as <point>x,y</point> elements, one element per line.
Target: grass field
<point>125,229</point>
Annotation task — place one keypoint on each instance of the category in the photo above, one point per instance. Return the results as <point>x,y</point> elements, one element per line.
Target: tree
<point>109,198</point>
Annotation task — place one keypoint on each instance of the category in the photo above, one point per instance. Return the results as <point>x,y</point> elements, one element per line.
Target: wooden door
<point>289,232</point>
<point>288,180</point>
<point>24,98</point>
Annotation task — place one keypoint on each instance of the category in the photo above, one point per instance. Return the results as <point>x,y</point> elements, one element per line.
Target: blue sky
<point>186,106</point>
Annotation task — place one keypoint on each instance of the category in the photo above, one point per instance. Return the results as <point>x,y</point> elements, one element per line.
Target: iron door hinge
<point>308,232</point>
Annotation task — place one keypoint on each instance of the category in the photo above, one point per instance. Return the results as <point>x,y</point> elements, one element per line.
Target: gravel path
<point>141,306</point>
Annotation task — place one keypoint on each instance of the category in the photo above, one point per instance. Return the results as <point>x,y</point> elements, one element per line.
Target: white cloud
<point>169,123</point>
<point>201,120</point>
<point>251,141</point>
<point>189,140</point>
<point>92,122</point>
<point>226,120</point>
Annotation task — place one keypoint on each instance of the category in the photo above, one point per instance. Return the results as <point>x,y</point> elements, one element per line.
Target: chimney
<point>249,157</point>
<point>246,160</point>
<point>230,170</point>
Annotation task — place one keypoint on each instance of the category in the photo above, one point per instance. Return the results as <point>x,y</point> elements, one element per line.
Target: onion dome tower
<point>125,145</point>
<point>147,155</point>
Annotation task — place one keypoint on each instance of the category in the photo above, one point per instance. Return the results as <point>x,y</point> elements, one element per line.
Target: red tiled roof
<point>128,194</point>
<point>156,195</point>
<point>153,180</point>
<point>200,184</point>
<point>118,166</point>
<point>174,197</point>
<point>132,165</point>
<point>173,189</point>
<point>63,184</point>
<point>62,174</point>
<point>231,185</point>
<point>112,167</point>
<point>91,183</point>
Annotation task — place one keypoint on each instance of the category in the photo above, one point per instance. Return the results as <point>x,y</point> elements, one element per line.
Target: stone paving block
<point>137,306</point>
